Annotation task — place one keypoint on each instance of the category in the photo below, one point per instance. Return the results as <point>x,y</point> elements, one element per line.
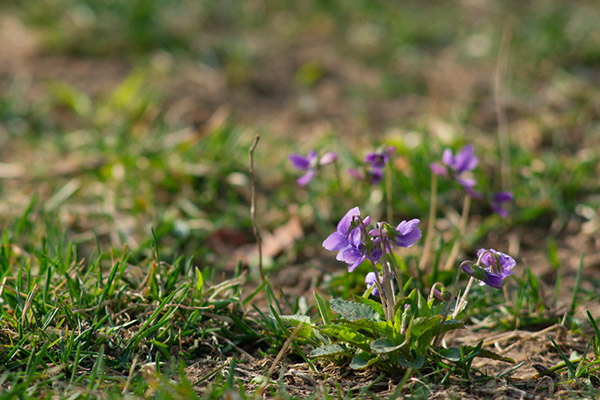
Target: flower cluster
<point>375,163</point>
<point>459,166</point>
<point>354,243</point>
<point>310,163</point>
<point>348,241</point>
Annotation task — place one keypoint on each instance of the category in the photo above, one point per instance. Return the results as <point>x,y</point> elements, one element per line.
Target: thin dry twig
<point>28,302</point>
<point>131,371</point>
<point>461,232</point>
<point>253,209</point>
<point>280,355</point>
<point>503,132</point>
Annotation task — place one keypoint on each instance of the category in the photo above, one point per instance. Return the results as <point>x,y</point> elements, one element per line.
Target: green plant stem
<point>397,272</point>
<point>430,225</point>
<point>338,177</point>
<point>461,231</point>
<point>390,295</point>
<point>462,298</point>
<point>382,294</point>
<point>321,224</point>
<point>253,209</point>
<point>440,335</point>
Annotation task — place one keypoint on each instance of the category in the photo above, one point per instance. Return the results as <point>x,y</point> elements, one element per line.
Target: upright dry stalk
<point>388,190</point>
<point>430,224</point>
<point>503,133</point>
<point>253,209</point>
<point>461,231</point>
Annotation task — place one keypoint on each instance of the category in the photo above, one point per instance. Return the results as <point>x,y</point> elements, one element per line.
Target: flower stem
<point>397,272</point>
<point>388,283</point>
<point>382,293</point>
<point>461,231</point>
<point>388,190</point>
<point>321,224</point>
<point>440,335</point>
<point>338,177</point>
<point>460,303</point>
<point>430,225</point>
<point>389,293</point>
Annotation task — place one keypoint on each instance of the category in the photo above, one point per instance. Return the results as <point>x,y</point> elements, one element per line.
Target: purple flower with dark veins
<point>310,164</point>
<point>498,199</point>
<point>495,267</point>
<point>349,242</point>
<point>338,240</point>
<point>356,252</point>
<point>404,235</point>
<point>407,233</point>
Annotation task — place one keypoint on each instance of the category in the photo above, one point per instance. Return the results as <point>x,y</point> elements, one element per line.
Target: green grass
<point>125,253</point>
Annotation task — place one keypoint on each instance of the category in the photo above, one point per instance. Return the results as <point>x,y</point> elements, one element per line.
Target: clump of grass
<point>68,321</point>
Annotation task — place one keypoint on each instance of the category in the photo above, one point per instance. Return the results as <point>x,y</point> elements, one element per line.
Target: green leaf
<point>422,306</point>
<point>199,281</point>
<point>348,335</point>
<point>452,325</point>
<point>371,303</point>
<point>493,356</point>
<point>294,320</point>
<point>596,332</point>
<point>363,360</point>
<point>453,354</point>
<point>324,309</point>
<point>418,362</point>
<point>352,311</point>
<point>328,351</point>
<point>381,346</point>
<point>421,325</point>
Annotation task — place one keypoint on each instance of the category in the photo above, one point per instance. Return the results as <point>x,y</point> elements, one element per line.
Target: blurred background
<point>118,117</point>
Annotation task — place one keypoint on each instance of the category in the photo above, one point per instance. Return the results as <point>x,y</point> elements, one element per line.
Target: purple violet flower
<point>407,233</point>
<point>464,162</point>
<point>495,267</point>
<point>349,243</point>
<point>404,235</point>
<point>373,176</point>
<point>328,158</point>
<point>497,200</point>
<point>378,159</point>
<point>438,169</point>
<point>370,280</point>
<point>310,164</point>
<point>338,240</point>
